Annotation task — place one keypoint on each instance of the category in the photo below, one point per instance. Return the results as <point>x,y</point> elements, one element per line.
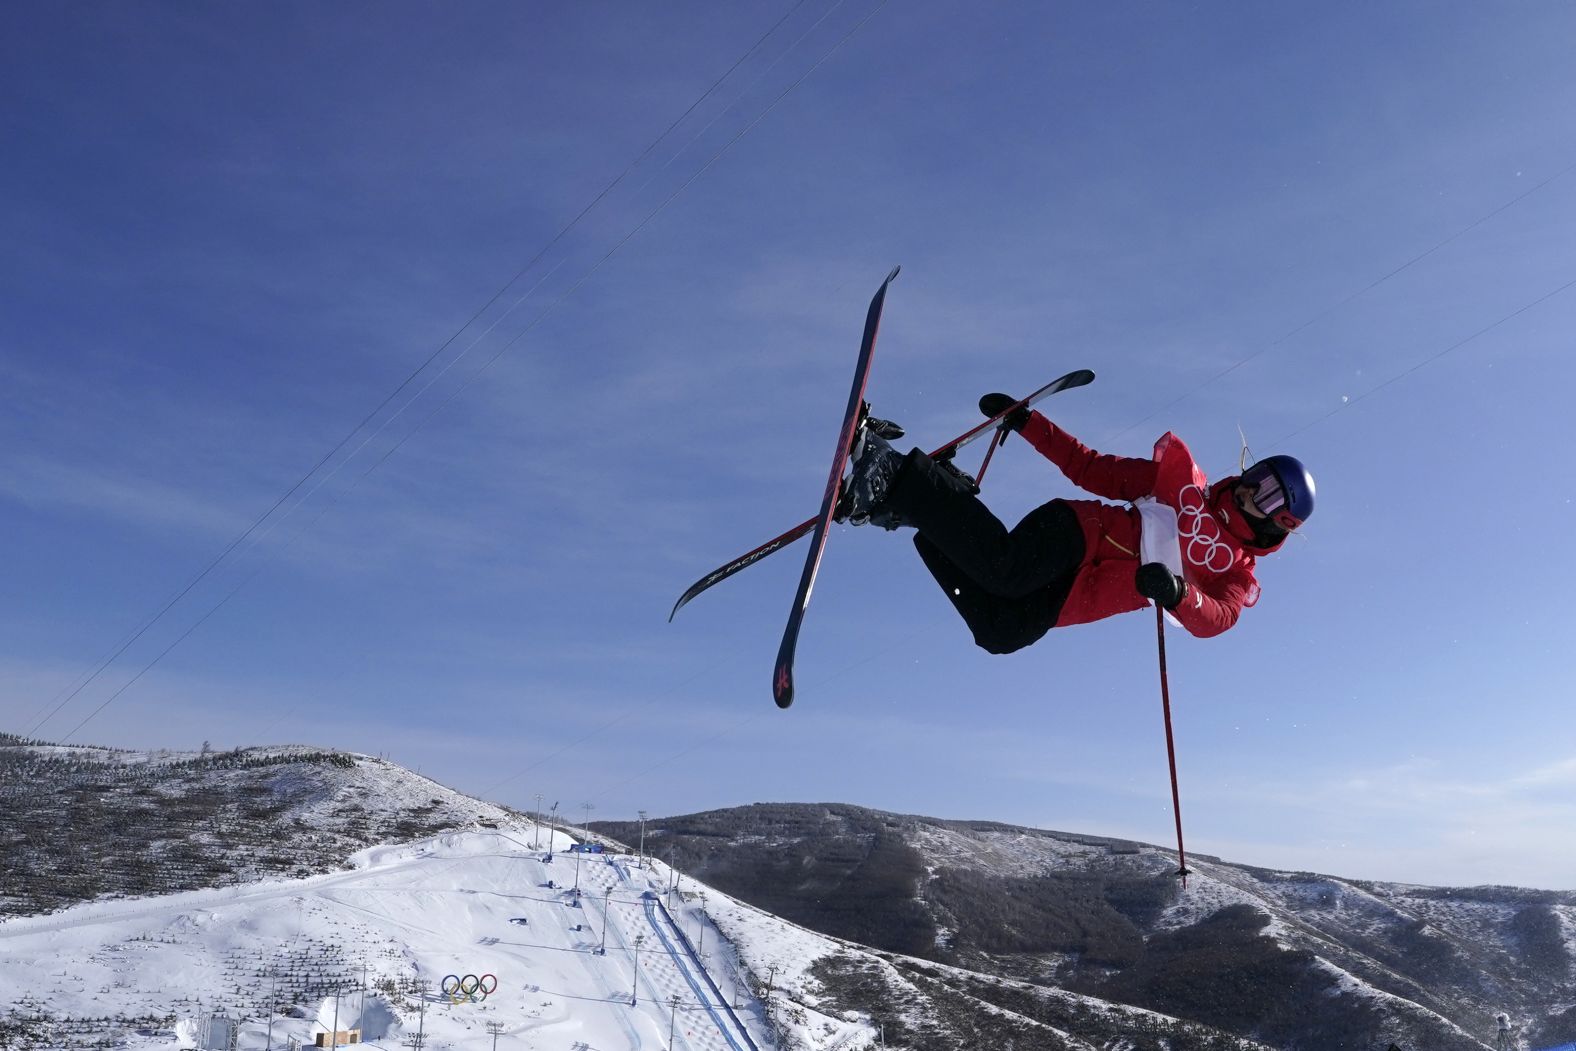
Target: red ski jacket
<point>1217,544</point>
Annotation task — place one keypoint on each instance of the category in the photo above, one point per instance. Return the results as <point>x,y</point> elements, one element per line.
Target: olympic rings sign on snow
<point>1204,546</point>
<point>469,989</point>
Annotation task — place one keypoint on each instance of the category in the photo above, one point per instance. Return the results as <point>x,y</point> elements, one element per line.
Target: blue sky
<point>234,231</point>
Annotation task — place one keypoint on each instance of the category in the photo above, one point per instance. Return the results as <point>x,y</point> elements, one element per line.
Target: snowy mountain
<point>1292,959</point>
<point>271,895</point>
<point>78,823</point>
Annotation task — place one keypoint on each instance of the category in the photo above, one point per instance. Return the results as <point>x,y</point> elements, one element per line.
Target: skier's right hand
<point>1156,582</point>
<point>996,404</point>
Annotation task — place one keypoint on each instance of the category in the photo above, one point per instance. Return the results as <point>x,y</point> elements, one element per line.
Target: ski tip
<point>782,687</point>
<point>892,275</point>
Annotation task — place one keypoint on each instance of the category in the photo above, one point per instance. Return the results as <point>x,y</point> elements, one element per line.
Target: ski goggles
<point>1268,494</point>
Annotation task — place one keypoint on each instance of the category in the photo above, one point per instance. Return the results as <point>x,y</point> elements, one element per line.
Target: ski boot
<point>874,463</point>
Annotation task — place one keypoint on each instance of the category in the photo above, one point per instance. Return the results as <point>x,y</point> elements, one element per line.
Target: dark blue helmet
<point>1282,488</point>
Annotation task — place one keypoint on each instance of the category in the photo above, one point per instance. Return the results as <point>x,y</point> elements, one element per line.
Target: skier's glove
<point>995,404</point>
<point>1158,583</point>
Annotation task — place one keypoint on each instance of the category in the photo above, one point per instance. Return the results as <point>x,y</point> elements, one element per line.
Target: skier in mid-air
<point>1180,542</point>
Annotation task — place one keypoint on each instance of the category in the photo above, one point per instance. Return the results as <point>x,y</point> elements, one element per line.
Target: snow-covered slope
<point>156,899</point>
<point>386,933</point>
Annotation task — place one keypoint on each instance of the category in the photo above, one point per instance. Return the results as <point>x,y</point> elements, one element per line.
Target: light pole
<point>587,807</point>
<point>273,986</point>
<point>634,989</point>
<point>642,839</point>
<point>495,1028</point>
<point>607,904</point>
<point>552,829</point>
<point>700,948</point>
<point>536,825</point>
<point>673,1019</point>
<point>333,1041</point>
<point>420,1038</point>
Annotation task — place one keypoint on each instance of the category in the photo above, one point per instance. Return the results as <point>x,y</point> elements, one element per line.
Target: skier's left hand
<point>996,404</point>
<point>1159,584</point>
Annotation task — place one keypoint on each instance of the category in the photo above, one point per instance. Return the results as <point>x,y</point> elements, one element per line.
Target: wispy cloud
<point>1421,820</point>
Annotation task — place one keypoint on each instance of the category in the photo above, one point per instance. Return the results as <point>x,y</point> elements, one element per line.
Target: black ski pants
<point>1008,585</point>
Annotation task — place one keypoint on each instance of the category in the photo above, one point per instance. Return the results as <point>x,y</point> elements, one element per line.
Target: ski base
<point>782,674</point>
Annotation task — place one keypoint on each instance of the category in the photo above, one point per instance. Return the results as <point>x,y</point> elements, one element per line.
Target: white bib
<point>1158,539</point>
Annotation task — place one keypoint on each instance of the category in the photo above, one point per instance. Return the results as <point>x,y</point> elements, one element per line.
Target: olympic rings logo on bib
<point>1204,546</point>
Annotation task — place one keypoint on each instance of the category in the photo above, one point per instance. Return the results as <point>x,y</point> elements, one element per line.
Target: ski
<point>777,543</point>
<point>782,675</point>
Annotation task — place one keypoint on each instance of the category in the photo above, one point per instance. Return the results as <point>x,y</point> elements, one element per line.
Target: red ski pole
<point>996,443</point>
<point>1171,751</point>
